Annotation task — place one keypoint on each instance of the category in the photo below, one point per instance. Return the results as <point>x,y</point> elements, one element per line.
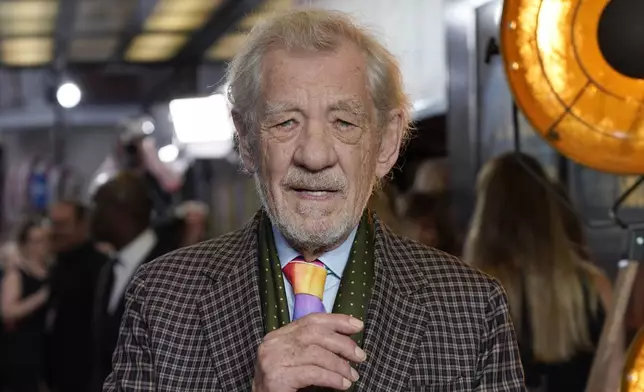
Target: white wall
<point>414,30</point>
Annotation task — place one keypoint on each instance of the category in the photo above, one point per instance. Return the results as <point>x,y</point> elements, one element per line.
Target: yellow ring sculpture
<point>576,70</point>
<point>561,80</point>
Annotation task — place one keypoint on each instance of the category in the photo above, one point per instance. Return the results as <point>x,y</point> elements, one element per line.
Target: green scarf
<point>355,286</point>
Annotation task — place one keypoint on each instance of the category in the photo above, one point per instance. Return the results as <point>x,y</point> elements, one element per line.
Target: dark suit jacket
<point>73,286</point>
<point>106,325</point>
<point>193,322</point>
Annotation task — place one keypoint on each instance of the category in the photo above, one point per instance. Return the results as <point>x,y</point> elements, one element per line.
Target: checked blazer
<point>193,322</point>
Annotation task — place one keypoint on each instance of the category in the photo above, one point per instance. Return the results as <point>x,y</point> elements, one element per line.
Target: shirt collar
<point>135,252</point>
<point>334,260</point>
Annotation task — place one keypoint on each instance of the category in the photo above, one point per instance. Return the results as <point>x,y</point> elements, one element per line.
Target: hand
<point>312,351</point>
<point>43,294</point>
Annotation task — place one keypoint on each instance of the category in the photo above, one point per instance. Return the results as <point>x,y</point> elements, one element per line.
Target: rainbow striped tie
<point>307,280</point>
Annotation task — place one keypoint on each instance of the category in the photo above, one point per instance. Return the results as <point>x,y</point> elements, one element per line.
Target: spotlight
<point>168,153</point>
<point>68,95</point>
<point>147,127</point>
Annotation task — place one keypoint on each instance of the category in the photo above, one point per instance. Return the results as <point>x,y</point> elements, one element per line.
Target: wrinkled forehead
<point>354,106</point>
<point>331,77</point>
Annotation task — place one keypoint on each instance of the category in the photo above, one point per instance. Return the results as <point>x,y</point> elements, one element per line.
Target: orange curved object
<point>569,92</point>
<point>633,380</point>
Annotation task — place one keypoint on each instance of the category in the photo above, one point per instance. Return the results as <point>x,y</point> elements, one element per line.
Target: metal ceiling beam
<point>221,21</point>
<point>63,32</point>
<point>134,27</point>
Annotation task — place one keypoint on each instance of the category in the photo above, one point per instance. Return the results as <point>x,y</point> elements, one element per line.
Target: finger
<point>332,341</point>
<point>340,323</point>
<point>306,376</point>
<point>321,357</point>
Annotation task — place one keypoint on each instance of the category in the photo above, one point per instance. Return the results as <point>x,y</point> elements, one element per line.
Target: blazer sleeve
<point>499,362</point>
<point>132,367</point>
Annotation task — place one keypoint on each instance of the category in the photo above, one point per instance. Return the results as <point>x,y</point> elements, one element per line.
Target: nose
<point>315,149</point>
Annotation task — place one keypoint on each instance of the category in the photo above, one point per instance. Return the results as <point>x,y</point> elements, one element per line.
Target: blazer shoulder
<point>184,265</point>
<point>440,268</point>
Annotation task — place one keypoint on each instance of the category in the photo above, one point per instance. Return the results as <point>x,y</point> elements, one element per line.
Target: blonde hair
<point>518,236</point>
<point>312,30</point>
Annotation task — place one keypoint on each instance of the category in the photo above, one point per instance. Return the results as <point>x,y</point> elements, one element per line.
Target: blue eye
<point>286,124</point>
<point>343,124</point>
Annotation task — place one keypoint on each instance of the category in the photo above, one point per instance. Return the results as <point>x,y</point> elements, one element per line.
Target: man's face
<point>318,153</point>
<point>102,218</point>
<point>67,230</point>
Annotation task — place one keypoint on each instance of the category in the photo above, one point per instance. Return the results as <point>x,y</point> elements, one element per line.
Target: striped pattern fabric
<point>193,322</point>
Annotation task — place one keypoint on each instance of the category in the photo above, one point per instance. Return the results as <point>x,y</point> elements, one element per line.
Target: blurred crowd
<point>64,275</point>
<point>526,232</point>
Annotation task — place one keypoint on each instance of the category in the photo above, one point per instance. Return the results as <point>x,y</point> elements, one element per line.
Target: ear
<point>245,147</point>
<point>390,141</point>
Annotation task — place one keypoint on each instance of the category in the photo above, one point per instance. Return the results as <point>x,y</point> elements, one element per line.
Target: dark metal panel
<point>222,20</point>
<point>462,96</point>
<point>64,31</point>
<point>142,11</point>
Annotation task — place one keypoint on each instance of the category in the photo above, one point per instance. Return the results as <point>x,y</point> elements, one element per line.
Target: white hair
<point>313,30</point>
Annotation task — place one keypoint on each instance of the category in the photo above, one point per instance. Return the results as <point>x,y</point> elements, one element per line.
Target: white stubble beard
<point>301,239</point>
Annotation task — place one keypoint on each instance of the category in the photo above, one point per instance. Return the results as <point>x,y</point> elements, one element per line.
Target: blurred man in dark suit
<point>121,218</point>
<point>73,284</point>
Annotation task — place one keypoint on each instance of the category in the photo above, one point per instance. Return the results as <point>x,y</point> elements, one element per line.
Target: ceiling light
<point>251,20</point>
<point>186,6</point>
<point>13,10</point>
<point>17,27</point>
<point>68,95</point>
<point>202,120</point>
<point>168,153</point>
<point>155,47</point>
<point>26,51</point>
<point>227,46</point>
<point>147,127</point>
<point>175,22</point>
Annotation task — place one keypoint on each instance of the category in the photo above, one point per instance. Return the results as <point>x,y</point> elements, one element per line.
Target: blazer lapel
<point>230,309</point>
<point>395,321</point>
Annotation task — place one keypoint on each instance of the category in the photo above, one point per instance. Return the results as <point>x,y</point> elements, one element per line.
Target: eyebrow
<point>352,106</point>
<point>273,108</point>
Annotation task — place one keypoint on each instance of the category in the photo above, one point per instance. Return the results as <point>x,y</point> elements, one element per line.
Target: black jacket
<point>106,326</point>
<point>73,285</point>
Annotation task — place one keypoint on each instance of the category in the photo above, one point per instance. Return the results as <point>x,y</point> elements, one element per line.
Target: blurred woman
<point>24,296</point>
<point>557,300</point>
<point>572,222</point>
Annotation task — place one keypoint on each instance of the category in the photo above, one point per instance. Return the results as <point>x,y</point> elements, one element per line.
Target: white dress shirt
<point>129,260</point>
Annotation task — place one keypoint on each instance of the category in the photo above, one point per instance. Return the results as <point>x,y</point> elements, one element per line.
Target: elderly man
<point>315,291</point>
<point>121,219</point>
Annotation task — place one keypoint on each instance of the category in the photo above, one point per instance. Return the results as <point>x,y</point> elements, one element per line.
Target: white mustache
<point>323,181</point>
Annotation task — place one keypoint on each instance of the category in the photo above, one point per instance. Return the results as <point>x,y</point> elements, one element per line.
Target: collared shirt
<point>335,261</point>
<point>129,260</point>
